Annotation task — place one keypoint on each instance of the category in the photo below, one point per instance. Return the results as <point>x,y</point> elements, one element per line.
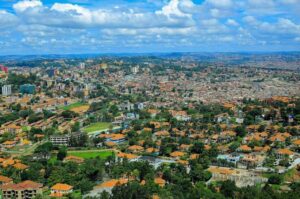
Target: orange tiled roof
<point>245,148</point>
<point>185,146</point>
<point>151,150</point>
<point>177,154</point>
<point>8,162</point>
<point>155,196</point>
<point>61,187</point>
<point>22,186</point>
<point>285,152</point>
<point>183,162</point>
<point>278,137</point>
<point>135,148</point>
<point>147,129</point>
<point>9,142</point>
<point>110,144</point>
<point>296,142</point>
<point>127,155</point>
<point>194,156</point>
<point>113,183</point>
<point>162,133</point>
<point>20,166</point>
<point>161,182</point>
<point>5,179</point>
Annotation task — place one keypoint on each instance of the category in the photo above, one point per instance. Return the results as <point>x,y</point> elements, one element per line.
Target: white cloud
<point>221,3</point>
<point>21,6</point>
<point>231,22</point>
<point>7,19</point>
<point>165,23</point>
<point>75,16</point>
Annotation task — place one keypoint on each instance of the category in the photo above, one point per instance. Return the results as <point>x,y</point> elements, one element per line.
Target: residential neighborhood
<point>104,125</point>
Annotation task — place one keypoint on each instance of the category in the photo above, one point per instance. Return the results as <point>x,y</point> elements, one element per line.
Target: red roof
<point>22,186</point>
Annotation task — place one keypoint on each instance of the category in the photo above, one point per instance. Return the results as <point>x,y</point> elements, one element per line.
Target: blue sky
<point>118,26</point>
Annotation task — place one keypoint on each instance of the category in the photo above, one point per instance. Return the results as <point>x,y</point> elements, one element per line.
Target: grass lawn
<point>99,126</point>
<point>91,154</point>
<point>71,106</point>
<point>291,175</point>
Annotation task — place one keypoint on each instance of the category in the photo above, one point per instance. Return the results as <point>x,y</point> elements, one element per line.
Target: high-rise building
<point>50,72</point>
<point>6,90</point>
<point>82,65</point>
<point>27,88</point>
<point>135,69</point>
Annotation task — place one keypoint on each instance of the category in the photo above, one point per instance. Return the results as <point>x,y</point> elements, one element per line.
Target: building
<point>60,140</point>
<point>51,72</point>
<point>5,180</point>
<point>58,190</point>
<point>82,65</point>
<point>6,90</point>
<point>9,144</point>
<point>27,89</point>
<point>4,68</point>
<point>135,69</point>
<point>24,190</point>
<point>64,140</point>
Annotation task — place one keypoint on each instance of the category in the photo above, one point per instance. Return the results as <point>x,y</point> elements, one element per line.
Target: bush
<point>275,179</point>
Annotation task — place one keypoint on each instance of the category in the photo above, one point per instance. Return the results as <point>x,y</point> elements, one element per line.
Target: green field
<point>99,126</point>
<point>91,154</point>
<point>74,105</point>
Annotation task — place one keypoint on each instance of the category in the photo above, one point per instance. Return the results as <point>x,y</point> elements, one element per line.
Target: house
<point>180,115</point>
<point>161,182</point>
<point>59,189</point>
<point>20,166</point>
<point>5,180</point>
<point>114,137</point>
<point>244,149</point>
<point>24,190</point>
<point>9,144</point>
<point>282,153</point>
<point>162,133</point>
<point>135,148</point>
<point>153,112</point>
<point>13,128</point>
<point>128,156</point>
<point>249,161</point>
<point>177,154</point>
<point>126,106</point>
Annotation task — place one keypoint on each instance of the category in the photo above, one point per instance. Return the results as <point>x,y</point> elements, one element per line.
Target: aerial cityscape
<point>150,99</point>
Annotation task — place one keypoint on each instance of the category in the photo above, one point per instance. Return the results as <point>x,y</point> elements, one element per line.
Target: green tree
<point>62,153</point>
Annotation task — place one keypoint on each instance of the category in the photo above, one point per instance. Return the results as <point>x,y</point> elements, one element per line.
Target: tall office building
<point>27,88</point>
<point>82,65</point>
<point>6,90</point>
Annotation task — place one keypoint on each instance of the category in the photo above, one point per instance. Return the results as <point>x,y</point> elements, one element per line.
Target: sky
<point>145,26</point>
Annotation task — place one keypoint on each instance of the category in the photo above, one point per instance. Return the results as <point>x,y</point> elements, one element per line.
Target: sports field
<point>99,126</point>
<point>76,107</point>
<point>91,154</point>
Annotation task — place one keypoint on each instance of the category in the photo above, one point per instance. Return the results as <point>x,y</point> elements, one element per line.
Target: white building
<point>82,65</point>
<point>6,90</point>
<point>135,69</point>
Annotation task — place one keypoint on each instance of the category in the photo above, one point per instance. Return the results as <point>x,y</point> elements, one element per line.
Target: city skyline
<point>119,26</point>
